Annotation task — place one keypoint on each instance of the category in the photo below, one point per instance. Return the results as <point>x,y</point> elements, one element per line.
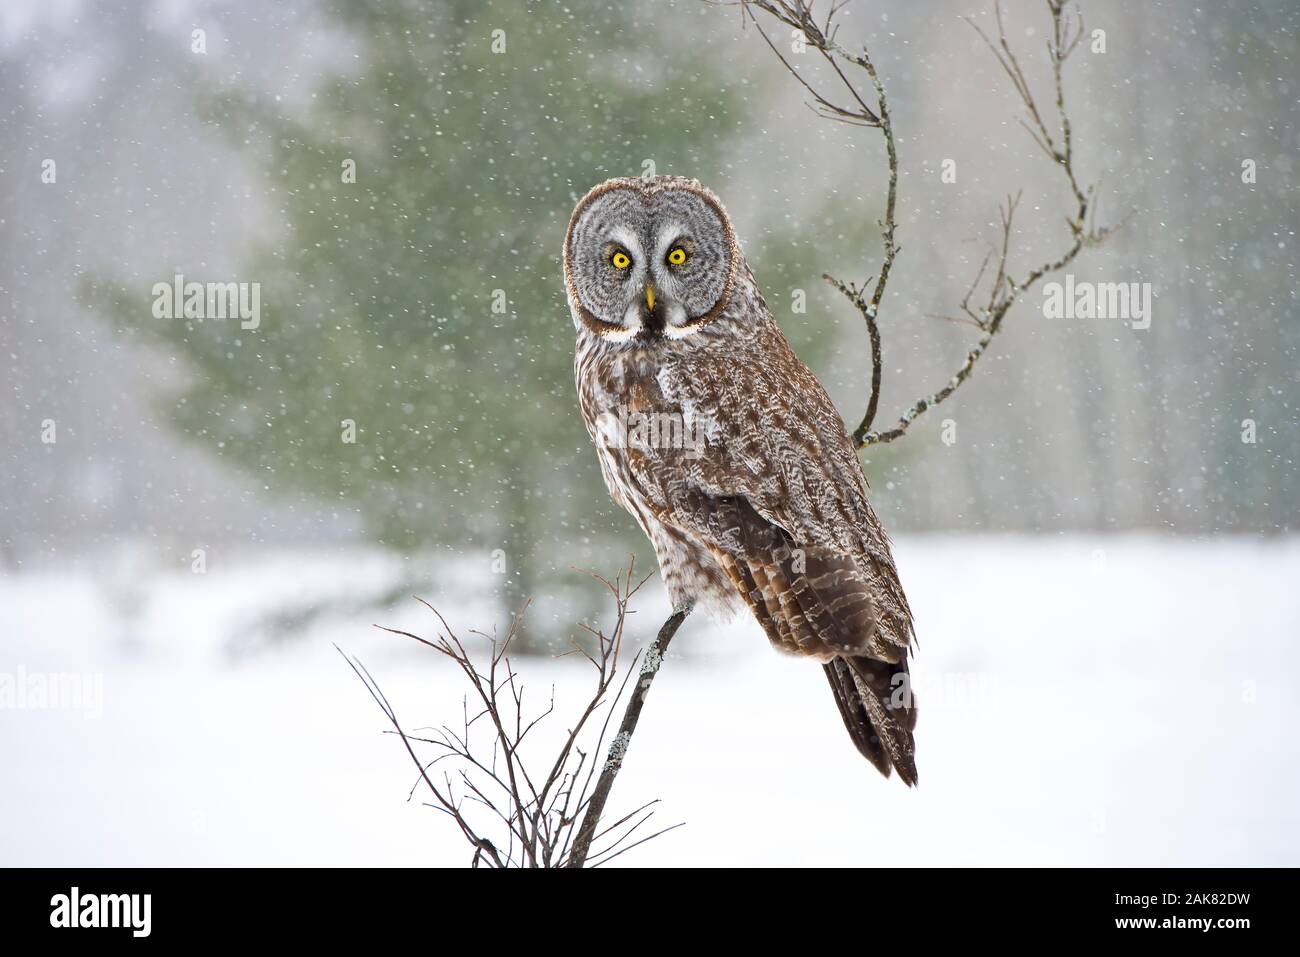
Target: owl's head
<point>646,258</point>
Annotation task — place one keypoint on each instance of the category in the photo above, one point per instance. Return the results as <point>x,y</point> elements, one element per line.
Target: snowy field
<point>1083,701</point>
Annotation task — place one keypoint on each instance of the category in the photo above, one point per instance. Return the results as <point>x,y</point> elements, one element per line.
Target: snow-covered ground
<point>1083,701</point>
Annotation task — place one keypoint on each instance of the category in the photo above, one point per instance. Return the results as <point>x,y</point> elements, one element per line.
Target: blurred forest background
<point>377,296</point>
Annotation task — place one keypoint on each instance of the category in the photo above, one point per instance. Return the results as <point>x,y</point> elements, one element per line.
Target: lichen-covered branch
<point>650,664</point>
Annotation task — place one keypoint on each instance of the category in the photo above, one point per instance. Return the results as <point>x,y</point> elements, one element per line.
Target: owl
<point>727,451</point>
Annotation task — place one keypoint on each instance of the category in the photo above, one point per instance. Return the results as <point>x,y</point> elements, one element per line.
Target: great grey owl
<point>727,451</point>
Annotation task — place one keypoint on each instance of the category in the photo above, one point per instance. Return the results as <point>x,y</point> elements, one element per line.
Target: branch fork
<point>556,819</point>
<point>1056,142</point>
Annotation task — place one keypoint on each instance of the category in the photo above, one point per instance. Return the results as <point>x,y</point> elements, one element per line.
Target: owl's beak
<point>649,297</point>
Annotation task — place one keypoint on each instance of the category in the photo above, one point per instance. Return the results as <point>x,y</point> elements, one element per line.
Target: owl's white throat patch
<point>683,331</point>
<point>620,333</point>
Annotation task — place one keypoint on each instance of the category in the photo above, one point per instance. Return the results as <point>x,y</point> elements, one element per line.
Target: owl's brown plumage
<point>728,452</point>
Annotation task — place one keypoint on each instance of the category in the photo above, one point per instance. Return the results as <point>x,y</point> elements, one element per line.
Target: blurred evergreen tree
<point>424,301</point>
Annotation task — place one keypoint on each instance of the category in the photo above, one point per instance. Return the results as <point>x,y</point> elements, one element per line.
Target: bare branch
<point>487,776</point>
<point>618,748</point>
<point>482,846</point>
<point>1004,290</point>
<point>1056,139</point>
<point>799,15</point>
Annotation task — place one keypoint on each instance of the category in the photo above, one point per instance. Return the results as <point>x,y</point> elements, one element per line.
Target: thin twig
<point>799,15</point>
<point>540,816</point>
<point>1057,143</point>
<point>1004,291</point>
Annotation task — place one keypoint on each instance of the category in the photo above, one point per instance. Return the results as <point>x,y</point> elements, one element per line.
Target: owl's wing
<point>767,480</point>
<point>776,486</point>
<point>774,489</point>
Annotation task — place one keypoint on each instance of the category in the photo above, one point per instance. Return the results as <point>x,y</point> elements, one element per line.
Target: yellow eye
<point>676,256</point>
<point>621,260</point>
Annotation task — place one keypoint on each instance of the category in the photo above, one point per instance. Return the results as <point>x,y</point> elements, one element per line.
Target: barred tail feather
<point>879,711</point>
